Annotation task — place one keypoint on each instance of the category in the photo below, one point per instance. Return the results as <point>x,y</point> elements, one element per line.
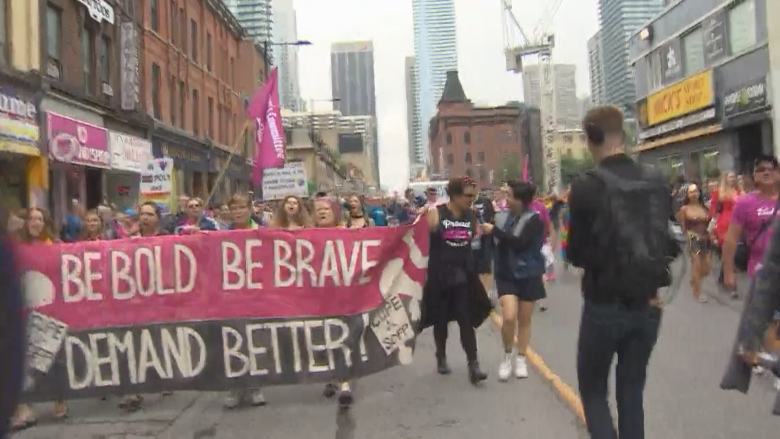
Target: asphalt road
<point>410,402</point>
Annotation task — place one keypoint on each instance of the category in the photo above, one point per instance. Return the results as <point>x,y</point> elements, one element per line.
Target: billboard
<point>350,143</point>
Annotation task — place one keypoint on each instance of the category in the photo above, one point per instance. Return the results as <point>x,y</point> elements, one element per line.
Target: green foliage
<point>511,167</point>
<point>571,166</point>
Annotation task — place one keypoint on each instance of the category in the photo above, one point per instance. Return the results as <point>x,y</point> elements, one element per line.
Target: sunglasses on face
<point>194,206</point>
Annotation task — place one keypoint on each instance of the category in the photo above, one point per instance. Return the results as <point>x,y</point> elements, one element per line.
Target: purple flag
<point>263,108</point>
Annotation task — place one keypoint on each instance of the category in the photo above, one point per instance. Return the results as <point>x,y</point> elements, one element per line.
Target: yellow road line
<point>563,390</point>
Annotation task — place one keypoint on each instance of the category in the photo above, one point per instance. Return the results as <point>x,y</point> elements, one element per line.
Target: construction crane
<point>540,45</point>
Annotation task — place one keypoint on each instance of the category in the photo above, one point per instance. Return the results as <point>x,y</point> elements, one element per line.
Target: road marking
<point>563,390</point>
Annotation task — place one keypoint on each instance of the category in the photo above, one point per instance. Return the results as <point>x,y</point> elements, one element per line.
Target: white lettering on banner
<point>391,325</point>
<point>294,267</point>
<point>281,182</point>
<point>277,139</point>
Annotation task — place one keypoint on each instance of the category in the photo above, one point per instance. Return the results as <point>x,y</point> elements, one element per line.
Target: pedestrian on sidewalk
<point>12,336</point>
<point>520,267</point>
<point>453,290</point>
<point>619,234</point>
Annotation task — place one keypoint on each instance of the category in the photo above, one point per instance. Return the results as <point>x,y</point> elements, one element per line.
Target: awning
<point>692,134</point>
<point>19,148</point>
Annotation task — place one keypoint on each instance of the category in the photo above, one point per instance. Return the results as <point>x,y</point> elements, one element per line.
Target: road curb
<point>565,392</point>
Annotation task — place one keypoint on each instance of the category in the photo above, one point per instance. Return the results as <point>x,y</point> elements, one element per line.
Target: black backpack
<point>632,232</point>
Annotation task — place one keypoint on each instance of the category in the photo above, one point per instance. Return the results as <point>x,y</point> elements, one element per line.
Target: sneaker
<point>505,368</point>
<point>232,400</point>
<point>542,305</point>
<point>521,367</point>
<point>345,395</point>
<point>256,397</point>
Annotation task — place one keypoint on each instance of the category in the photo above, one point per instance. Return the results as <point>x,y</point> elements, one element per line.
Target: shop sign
<point>671,61</point>
<point>690,95</point>
<point>156,178</point>
<point>750,97</point>
<point>715,41</point>
<point>76,142</point>
<point>686,121</point>
<point>19,131</point>
<point>129,153</point>
<point>99,10</point>
<point>129,66</point>
<point>236,166</point>
<point>183,156</point>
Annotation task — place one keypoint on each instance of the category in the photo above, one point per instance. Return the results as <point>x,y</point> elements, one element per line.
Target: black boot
<point>475,373</point>
<point>441,365</point>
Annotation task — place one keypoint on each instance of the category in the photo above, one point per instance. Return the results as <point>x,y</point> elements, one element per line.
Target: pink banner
<point>73,141</point>
<point>270,148</point>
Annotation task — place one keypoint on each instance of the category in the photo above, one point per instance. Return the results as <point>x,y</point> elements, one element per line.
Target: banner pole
<point>227,163</point>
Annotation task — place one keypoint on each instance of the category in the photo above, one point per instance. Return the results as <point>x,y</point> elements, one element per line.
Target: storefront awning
<point>692,134</point>
<point>19,148</point>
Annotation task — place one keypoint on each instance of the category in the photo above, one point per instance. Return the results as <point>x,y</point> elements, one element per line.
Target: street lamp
<point>267,60</point>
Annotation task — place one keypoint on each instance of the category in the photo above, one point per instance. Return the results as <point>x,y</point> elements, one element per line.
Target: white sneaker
<point>232,400</point>
<point>521,367</point>
<point>505,368</point>
<point>256,397</point>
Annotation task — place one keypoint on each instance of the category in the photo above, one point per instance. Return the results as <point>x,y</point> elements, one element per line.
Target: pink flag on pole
<point>263,108</point>
<point>525,168</point>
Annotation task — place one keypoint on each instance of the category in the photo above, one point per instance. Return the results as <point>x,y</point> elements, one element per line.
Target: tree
<point>571,166</point>
<point>510,167</point>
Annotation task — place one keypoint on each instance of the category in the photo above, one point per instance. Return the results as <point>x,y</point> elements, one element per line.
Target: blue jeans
<point>607,330</point>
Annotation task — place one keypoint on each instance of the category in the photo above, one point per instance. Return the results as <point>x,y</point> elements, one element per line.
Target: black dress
<point>453,283</point>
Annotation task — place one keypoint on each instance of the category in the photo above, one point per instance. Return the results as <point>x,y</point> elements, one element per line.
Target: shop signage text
<point>671,60</point>
<point>183,156</point>
<point>99,10</point>
<point>73,141</point>
<point>715,41</point>
<point>748,98</point>
<point>685,97</point>
<point>19,131</point>
<point>129,153</point>
<point>129,66</point>
<point>685,121</point>
<point>156,177</point>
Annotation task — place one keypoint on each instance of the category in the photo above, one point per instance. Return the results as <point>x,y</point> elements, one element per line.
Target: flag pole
<point>227,162</point>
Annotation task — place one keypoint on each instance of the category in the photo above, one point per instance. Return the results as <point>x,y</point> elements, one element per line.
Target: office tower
<point>256,16</point>
<point>285,30</point>
<point>566,104</point>
<point>413,126</point>
<point>352,82</point>
<point>596,68</point>
<point>618,20</point>
<point>436,53</point>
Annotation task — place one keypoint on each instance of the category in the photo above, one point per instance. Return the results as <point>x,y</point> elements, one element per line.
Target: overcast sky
<point>481,43</point>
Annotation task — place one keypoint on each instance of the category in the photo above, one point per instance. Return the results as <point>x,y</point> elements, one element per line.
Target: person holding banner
<point>38,229</point>
<point>241,212</point>
<point>453,290</point>
<point>326,215</point>
<point>356,217</point>
<point>94,229</point>
<point>291,215</point>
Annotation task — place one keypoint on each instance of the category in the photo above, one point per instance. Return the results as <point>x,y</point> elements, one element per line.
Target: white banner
<point>281,182</point>
<point>129,153</point>
<point>156,178</point>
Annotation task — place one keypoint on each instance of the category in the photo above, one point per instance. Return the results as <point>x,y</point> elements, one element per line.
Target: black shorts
<point>527,290</point>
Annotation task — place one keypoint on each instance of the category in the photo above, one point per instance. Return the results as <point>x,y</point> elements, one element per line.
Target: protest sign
<point>221,310</point>
<point>156,178</point>
<point>281,182</point>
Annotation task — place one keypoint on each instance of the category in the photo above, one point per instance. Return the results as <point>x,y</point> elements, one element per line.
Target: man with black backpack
<point>619,235</point>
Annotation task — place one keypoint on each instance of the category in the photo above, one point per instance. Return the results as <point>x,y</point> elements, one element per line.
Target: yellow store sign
<point>687,96</point>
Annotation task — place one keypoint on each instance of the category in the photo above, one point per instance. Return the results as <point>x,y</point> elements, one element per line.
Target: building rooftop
<point>453,89</point>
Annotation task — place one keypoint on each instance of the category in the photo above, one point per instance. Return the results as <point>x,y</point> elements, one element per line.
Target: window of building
<point>53,32</point>
<point>183,30</point>
<point>130,7</point>
<point>480,157</point>
<point>210,121</point>
<point>3,33</point>
<point>208,51</point>
<point>174,20</point>
<point>450,159</point>
<point>671,166</point>
<point>467,138</point>
<point>172,100</point>
<point>156,85</point>
<point>194,40</point>
<point>568,138</point>
<point>469,173</point>
<point>195,112</point>
<point>483,175</point>
<point>693,50</point>
<point>220,122</point>
<point>468,158</point>
<point>654,71</point>
<point>708,164</point>
<point>104,60</point>
<point>449,139</point>
<point>87,58</point>
<point>231,72</point>
<point>154,15</point>
<point>182,104</point>
<point>742,26</point>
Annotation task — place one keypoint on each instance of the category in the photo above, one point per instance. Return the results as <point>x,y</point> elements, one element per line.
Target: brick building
<point>199,67</point>
<point>487,144</point>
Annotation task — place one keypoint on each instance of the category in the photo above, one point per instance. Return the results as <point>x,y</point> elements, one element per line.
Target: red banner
<point>191,312</point>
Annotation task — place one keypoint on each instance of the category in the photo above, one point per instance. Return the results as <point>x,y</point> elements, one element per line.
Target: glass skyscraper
<point>256,16</point>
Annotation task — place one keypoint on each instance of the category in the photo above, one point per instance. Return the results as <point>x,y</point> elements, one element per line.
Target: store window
<point>671,166</point>
<point>468,158</point>
<point>693,50</point>
<point>12,182</point>
<point>654,69</point>
<point>708,164</point>
<point>742,26</point>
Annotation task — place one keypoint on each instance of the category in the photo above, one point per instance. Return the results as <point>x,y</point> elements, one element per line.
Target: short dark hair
<point>155,206</point>
<point>765,158</point>
<point>456,186</point>
<point>523,191</point>
<point>601,122</point>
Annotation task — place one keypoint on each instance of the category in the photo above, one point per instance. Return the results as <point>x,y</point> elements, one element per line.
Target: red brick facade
<point>197,68</point>
<point>475,141</point>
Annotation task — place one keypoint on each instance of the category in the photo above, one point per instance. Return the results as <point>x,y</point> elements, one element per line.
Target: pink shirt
<point>750,212</point>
